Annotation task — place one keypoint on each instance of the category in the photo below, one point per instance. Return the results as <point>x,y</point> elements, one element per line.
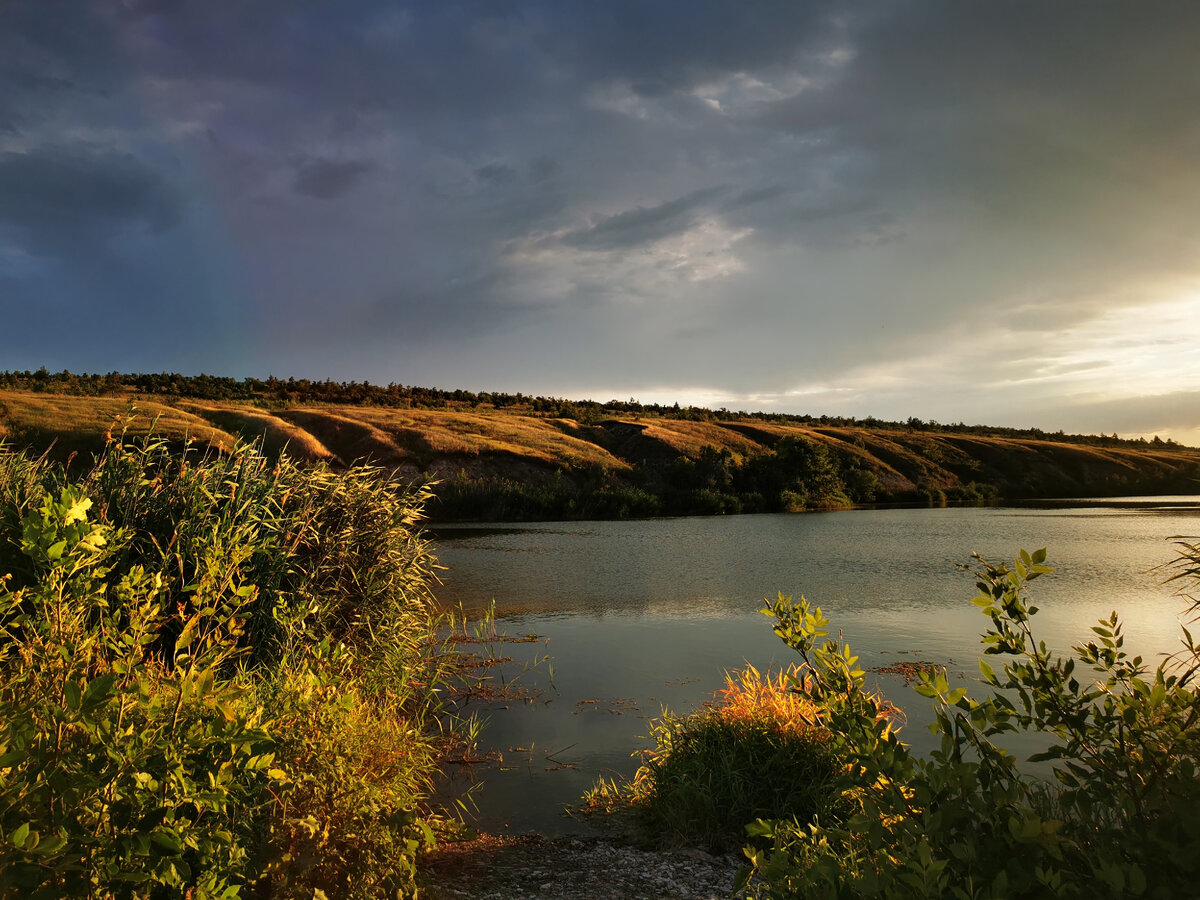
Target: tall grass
<point>217,677</point>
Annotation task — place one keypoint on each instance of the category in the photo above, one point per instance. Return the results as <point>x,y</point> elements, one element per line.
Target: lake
<point>641,615</point>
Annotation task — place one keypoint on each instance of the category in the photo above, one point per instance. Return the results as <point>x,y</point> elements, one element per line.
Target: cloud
<point>935,209</point>
<point>325,179</point>
<point>59,196</point>
<point>1174,412</point>
<point>677,44</point>
<point>496,174</point>
<point>641,225</point>
<point>34,81</point>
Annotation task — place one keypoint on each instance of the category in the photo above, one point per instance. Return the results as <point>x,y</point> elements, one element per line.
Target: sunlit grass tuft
<point>759,749</point>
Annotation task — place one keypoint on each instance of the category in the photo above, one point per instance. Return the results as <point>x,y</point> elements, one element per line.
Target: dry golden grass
<point>513,444</point>
<point>689,438</point>
<point>444,432</point>
<point>898,464</point>
<point>253,424</point>
<point>750,696</point>
<point>767,433</point>
<point>350,438</point>
<point>85,420</point>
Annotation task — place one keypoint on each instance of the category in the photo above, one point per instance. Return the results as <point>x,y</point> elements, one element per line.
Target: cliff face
<point>482,445</point>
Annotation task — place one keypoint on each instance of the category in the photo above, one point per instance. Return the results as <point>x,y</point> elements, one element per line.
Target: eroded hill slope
<point>622,465</point>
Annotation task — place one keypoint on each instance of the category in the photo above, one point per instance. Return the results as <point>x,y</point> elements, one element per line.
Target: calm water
<point>640,615</point>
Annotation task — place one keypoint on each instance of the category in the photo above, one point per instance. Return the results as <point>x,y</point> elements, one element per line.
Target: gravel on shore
<point>491,867</point>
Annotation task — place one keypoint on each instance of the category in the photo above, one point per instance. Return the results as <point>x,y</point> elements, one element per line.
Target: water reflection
<point>652,613</point>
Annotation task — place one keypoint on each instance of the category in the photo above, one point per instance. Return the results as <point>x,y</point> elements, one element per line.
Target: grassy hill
<point>521,462</point>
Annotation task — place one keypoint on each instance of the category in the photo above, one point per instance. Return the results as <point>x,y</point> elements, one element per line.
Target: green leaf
<point>98,690</point>
<point>761,828</point>
<point>925,689</point>
<point>955,695</point>
<point>72,696</point>
<point>54,551</point>
<point>19,836</point>
<point>51,845</point>
<point>204,683</point>
<point>77,512</point>
<point>188,634</point>
<point>1137,880</point>
<point>427,834</point>
<point>168,840</point>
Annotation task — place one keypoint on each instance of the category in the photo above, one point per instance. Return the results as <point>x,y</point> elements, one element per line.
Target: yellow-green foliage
<point>215,677</point>
<point>1120,818</point>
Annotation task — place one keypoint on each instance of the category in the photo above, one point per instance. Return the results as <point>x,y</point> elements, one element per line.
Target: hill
<point>526,461</point>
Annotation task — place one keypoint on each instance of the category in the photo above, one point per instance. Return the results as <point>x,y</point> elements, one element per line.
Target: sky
<point>975,212</point>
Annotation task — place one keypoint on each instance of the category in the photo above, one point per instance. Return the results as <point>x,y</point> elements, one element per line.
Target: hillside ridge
<point>519,462</point>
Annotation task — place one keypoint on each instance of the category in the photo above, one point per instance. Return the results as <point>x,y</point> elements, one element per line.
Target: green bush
<point>345,821</point>
<point>112,758</point>
<point>1121,819</point>
<point>216,677</point>
<point>758,750</point>
<point>711,776</point>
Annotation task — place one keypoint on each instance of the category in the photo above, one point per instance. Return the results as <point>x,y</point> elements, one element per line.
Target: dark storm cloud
<point>326,178</point>
<point>52,47</point>
<point>33,81</point>
<point>52,60</point>
<point>754,196</point>
<point>543,168</point>
<point>496,174</point>
<point>667,46</point>
<point>136,9</point>
<point>434,61</point>
<point>57,197</point>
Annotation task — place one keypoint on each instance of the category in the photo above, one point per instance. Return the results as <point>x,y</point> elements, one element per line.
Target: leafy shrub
<point>346,820</point>
<point>334,555</point>
<point>216,675</point>
<point>118,771</point>
<point>1122,818</point>
<point>759,750</point>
